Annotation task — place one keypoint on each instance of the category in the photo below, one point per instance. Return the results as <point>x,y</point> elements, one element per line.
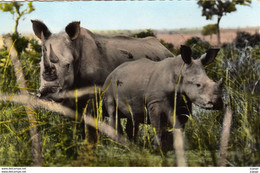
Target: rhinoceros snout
<point>51,93</point>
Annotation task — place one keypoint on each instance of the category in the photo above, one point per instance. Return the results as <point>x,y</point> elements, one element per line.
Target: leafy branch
<point>15,8</point>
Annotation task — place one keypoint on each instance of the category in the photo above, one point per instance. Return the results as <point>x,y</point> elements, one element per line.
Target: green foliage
<point>198,46</point>
<point>220,8</point>
<point>170,47</point>
<point>150,33</point>
<point>15,139</point>
<point>143,34</point>
<point>63,144</point>
<point>30,61</point>
<point>209,29</point>
<point>15,8</point>
<point>7,75</point>
<point>20,42</point>
<point>35,45</point>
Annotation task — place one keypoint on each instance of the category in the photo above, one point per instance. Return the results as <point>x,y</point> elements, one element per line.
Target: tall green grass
<point>63,144</point>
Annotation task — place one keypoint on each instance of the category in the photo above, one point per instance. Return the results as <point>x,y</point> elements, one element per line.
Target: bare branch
<point>34,103</point>
<point>225,136</point>
<point>179,148</point>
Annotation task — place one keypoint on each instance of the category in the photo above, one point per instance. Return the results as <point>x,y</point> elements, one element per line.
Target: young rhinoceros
<point>147,85</point>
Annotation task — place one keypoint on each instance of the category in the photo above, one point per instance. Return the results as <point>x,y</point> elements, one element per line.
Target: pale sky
<point>115,15</point>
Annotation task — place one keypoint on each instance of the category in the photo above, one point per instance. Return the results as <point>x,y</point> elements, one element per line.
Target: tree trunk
<point>20,80</point>
<point>16,25</point>
<point>17,8</point>
<point>218,32</point>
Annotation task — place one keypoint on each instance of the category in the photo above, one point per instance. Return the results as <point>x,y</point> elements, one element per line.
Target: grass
<point>63,144</point>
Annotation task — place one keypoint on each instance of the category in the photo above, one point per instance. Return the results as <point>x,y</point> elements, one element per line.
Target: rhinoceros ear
<point>186,54</point>
<point>73,30</point>
<point>209,56</point>
<point>39,28</point>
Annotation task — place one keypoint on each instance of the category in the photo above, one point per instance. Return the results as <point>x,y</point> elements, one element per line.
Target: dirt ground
<point>226,36</point>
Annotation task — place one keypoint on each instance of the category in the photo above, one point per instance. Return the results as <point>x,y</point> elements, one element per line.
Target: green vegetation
<point>219,9</point>
<point>209,30</point>
<point>15,8</point>
<point>62,145</point>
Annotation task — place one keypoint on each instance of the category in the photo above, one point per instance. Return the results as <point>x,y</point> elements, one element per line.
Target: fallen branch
<point>179,147</point>
<point>225,136</point>
<point>81,92</point>
<point>36,103</point>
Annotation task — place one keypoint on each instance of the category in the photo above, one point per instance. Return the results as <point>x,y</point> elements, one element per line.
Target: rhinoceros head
<point>195,83</point>
<point>58,59</point>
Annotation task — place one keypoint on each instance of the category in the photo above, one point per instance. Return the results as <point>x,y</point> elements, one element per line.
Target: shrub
<point>20,42</point>
<point>198,46</point>
<point>245,39</point>
<point>144,34</point>
<point>35,45</point>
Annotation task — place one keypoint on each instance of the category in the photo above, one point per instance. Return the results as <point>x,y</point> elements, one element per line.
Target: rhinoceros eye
<point>198,85</point>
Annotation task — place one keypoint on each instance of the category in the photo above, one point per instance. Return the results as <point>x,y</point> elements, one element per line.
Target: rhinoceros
<point>79,58</point>
<point>141,86</point>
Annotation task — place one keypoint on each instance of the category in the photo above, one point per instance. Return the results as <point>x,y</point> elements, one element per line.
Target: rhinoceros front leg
<point>132,129</point>
<point>114,120</point>
<point>158,115</point>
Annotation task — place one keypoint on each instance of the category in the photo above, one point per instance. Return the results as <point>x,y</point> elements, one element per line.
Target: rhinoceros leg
<point>114,120</point>
<point>91,132</point>
<point>158,115</point>
<point>132,129</point>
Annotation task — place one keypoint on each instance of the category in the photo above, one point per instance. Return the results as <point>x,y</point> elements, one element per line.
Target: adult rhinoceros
<point>78,58</point>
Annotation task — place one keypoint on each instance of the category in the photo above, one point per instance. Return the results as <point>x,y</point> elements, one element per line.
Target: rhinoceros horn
<point>53,57</point>
<point>46,61</point>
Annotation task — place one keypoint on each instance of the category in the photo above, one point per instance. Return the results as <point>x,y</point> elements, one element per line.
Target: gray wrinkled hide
<point>78,58</point>
<point>147,85</point>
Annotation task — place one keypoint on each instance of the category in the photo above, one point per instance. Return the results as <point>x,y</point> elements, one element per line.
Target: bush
<point>35,45</point>
<point>20,42</point>
<point>245,39</point>
<point>143,34</point>
<point>170,47</point>
<point>198,46</point>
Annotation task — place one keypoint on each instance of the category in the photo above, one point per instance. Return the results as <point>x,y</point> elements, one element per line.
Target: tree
<point>219,8</point>
<point>15,9</point>
<point>209,30</point>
